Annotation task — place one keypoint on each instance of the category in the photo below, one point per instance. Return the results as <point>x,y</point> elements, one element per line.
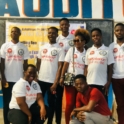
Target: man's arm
<point>86,63</point>
<point>109,75</point>
<point>40,102</point>
<point>87,108</point>
<point>64,69</point>
<point>25,64</point>
<point>58,74</point>
<point>38,64</point>
<point>110,63</point>
<point>85,70</point>
<point>2,71</point>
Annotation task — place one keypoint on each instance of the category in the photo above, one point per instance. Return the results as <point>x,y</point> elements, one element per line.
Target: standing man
<point>49,64</point>
<point>14,56</point>
<point>118,70</point>
<point>65,39</point>
<point>99,63</point>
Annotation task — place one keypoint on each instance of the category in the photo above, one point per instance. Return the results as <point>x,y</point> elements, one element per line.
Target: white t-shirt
<point>50,55</point>
<point>14,55</point>
<point>97,61</point>
<point>79,61</point>
<point>23,89</point>
<point>118,52</point>
<point>65,42</point>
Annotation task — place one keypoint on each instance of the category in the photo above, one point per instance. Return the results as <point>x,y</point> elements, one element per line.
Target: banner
<point>33,35</point>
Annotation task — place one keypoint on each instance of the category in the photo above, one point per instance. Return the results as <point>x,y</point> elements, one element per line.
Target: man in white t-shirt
<point>99,63</point>
<point>118,70</point>
<point>65,39</point>
<point>49,64</point>
<point>14,56</point>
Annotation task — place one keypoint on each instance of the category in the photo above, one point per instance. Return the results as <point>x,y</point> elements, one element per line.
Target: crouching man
<point>91,106</point>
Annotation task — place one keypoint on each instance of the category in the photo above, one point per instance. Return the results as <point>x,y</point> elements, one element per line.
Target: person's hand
<point>106,88</point>
<point>3,82</point>
<point>73,113</point>
<point>61,82</point>
<point>81,116</point>
<point>53,88</point>
<point>29,119</point>
<point>42,113</point>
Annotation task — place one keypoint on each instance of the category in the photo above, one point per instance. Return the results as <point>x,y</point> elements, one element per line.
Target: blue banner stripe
<point>73,9</point>
<point>108,9</point>
<point>87,9</point>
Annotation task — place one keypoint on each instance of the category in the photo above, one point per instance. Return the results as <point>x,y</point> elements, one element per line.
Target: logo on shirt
<point>54,52</point>
<point>61,44</point>
<point>71,43</point>
<point>103,53</point>
<point>45,51</point>
<point>27,87</point>
<point>115,50</point>
<point>72,31</point>
<point>83,59</point>
<point>20,52</point>
<point>75,56</point>
<point>35,86</point>
<point>9,50</point>
<point>92,52</point>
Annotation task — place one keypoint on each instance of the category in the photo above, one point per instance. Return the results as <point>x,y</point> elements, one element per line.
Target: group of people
<point>94,69</point>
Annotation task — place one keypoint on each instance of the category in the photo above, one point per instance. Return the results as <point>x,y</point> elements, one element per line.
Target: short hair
<point>64,19</point>
<point>54,28</point>
<point>83,33</point>
<point>17,29</point>
<point>80,76</point>
<point>29,65</point>
<point>96,29</point>
<point>119,24</point>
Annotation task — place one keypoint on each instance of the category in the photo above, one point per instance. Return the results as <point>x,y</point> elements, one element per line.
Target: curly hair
<point>83,33</point>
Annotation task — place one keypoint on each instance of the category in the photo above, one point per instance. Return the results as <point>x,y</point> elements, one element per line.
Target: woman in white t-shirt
<point>82,36</point>
<point>23,108</point>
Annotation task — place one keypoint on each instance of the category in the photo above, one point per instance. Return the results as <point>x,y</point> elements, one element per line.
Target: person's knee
<point>71,122</point>
<point>75,121</point>
<point>87,115</point>
<point>88,122</point>
<point>17,117</point>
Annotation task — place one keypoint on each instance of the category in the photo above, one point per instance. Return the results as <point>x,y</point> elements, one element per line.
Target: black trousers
<point>100,88</point>
<point>7,93</point>
<point>16,116</point>
<point>54,101</point>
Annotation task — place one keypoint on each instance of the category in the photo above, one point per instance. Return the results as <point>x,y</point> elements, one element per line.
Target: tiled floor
<point>1,116</point>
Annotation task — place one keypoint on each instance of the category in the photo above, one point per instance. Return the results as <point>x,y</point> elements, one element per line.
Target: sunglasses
<point>78,41</point>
